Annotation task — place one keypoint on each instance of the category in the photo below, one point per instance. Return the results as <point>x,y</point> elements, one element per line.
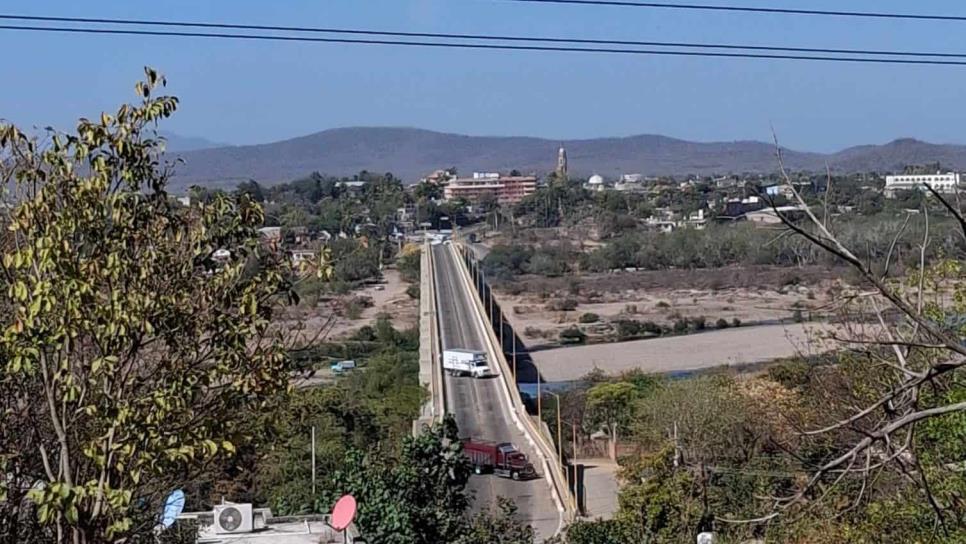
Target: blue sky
<point>251,92</point>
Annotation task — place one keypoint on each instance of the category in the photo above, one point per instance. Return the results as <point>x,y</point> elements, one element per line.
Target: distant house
<point>630,182</point>
<point>736,208</point>
<point>270,236</point>
<point>770,216</point>
<point>439,177</point>
<point>300,235</point>
<point>352,187</point>
<point>300,256</point>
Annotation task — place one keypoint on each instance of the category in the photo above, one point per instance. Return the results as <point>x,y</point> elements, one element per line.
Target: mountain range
<point>411,153</point>
<point>176,143</point>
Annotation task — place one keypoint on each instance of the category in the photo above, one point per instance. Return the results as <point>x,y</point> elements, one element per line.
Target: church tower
<point>562,163</point>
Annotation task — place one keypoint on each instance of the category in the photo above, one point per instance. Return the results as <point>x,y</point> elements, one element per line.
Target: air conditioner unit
<point>233,518</point>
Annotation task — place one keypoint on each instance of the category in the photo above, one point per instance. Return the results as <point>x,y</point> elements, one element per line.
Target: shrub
<point>572,335</point>
<point>413,291</point>
<point>662,304</point>
<point>721,323</point>
<point>563,305</point>
<point>680,326</point>
<point>514,288</point>
<point>589,317</point>
<point>797,316</point>
<point>573,286</point>
<point>630,328</point>
<point>792,374</point>
<point>736,322</point>
<point>699,323</point>
<point>352,310</point>
<point>651,327</point>
<point>408,265</point>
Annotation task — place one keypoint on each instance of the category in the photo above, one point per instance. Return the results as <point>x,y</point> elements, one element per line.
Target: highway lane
<point>481,408</point>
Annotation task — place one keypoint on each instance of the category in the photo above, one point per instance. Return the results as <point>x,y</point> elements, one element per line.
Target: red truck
<point>503,459</point>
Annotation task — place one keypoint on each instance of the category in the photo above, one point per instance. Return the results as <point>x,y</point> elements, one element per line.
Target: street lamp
<point>539,395</point>
<point>559,428</point>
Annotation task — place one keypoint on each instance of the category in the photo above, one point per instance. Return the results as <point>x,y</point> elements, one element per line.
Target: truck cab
<point>502,459</point>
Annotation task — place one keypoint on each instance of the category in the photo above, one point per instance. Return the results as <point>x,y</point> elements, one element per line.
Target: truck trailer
<point>502,459</point>
<point>465,362</point>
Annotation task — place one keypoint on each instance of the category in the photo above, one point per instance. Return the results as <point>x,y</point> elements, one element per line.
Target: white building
<point>595,183</point>
<point>630,182</point>
<point>942,183</point>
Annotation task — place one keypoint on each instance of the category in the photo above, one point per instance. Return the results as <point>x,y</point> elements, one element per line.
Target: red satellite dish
<point>343,513</point>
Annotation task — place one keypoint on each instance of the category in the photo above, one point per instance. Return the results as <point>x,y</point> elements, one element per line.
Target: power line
<point>483,46</point>
<point>482,37</point>
<point>747,9</point>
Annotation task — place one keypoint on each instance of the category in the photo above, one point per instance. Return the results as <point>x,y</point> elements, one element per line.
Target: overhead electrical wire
<point>751,9</point>
<point>481,37</point>
<point>490,46</point>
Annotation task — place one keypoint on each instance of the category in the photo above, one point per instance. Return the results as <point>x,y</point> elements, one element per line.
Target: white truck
<point>465,362</point>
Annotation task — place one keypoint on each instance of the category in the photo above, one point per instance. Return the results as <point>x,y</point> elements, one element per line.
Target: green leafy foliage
<point>500,526</point>
<point>417,498</point>
<point>131,356</point>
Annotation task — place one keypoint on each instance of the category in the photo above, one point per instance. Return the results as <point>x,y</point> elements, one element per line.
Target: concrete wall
<point>430,373</point>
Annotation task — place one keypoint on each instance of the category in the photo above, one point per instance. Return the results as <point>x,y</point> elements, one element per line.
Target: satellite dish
<point>173,506</point>
<point>343,513</point>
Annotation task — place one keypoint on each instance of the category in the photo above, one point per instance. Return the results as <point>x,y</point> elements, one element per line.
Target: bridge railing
<point>545,448</point>
<point>430,372</point>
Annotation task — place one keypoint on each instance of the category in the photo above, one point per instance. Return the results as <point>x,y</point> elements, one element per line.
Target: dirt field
<point>743,345</point>
<point>765,295</point>
<point>389,297</point>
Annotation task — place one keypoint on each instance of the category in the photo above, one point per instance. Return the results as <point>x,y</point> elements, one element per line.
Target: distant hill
<point>411,153</point>
<point>177,143</point>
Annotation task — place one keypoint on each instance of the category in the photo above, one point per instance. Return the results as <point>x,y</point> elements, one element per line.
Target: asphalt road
<point>481,408</point>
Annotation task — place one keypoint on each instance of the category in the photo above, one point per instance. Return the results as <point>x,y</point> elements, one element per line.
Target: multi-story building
<point>942,183</point>
<point>505,189</point>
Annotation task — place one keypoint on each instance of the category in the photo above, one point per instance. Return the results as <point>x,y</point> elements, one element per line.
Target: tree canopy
<point>131,356</point>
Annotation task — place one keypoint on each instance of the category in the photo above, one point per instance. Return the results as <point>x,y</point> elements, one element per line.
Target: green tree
<point>499,527</point>
<point>419,497</point>
<point>610,405</point>
<point>131,357</point>
<point>252,189</point>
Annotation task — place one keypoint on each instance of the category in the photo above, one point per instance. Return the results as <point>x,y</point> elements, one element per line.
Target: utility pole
<point>572,476</point>
<point>514,359</point>
<point>560,437</point>
<point>313,461</point>
<point>490,291</point>
<point>539,397</point>
<point>677,448</point>
<point>574,460</point>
